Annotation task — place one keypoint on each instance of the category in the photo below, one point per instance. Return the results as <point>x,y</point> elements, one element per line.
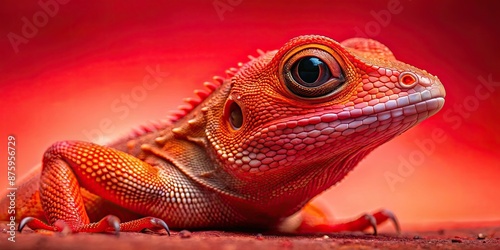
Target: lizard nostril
<point>407,80</point>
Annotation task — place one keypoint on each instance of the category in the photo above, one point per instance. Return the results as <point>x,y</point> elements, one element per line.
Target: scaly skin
<point>252,151</point>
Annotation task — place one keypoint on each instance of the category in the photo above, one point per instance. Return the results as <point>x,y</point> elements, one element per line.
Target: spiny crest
<point>210,87</point>
<point>190,103</point>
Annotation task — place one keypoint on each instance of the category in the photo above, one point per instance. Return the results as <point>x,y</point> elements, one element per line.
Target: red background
<point>64,80</point>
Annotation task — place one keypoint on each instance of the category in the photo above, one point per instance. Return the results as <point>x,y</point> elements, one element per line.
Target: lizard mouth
<point>418,106</point>
<point>427,101</point>
<point>284,141</point>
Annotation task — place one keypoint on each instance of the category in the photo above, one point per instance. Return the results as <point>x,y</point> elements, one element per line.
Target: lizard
<point>249,152</point>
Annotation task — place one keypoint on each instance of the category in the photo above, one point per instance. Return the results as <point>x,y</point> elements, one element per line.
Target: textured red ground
<point>68,79</point>
<point>439,238</point>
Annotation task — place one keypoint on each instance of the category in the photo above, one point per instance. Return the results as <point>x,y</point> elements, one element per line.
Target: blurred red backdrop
<point>66,77</point>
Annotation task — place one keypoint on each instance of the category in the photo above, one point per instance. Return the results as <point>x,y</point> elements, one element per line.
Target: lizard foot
<point>313,220</point>
<point>138,225</point>
<point>368,220</point>
<point>109,223</point>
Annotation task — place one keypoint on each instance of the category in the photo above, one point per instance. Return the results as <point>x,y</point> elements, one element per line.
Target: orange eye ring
<point>312,72</point>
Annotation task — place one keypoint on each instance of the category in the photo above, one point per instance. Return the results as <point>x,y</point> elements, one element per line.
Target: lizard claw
<point>114,222</point>
<point>144,223</point>
<point>160,223</point>
<point>23,223</point>
<point>388,214</point>
<point>373,222</point>
<point>109,223</point>
<point>63,227</point>
<point>381,216</point>
<point>311,224</point>
<point>34,224</point>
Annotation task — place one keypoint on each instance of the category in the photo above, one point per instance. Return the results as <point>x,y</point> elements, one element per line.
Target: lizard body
<point>251,151</point>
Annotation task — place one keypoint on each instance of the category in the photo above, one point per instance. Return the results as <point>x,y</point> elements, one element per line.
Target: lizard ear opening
<point>312,73</point>
<point>233,114</point>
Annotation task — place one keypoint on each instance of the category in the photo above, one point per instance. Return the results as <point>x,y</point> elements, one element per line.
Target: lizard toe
<point>372,221</point>
<point>34,224</point>
<point>114,222</point>
<point>160,224</point>
<point>144,223</point>
<point>386,214</point>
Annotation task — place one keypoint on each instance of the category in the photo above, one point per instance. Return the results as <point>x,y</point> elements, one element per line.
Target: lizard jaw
<point>430,101</point>
<point>283,143</point>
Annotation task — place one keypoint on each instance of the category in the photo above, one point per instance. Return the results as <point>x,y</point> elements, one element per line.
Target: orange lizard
<point>248,153</point>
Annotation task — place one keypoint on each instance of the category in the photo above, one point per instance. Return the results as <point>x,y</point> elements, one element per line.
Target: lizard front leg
<point>106,172</point>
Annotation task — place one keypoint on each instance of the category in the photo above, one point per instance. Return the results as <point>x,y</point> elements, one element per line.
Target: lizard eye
<point>312,73</point>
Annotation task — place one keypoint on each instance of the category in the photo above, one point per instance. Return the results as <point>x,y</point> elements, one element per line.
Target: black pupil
<point>309,69</point>
<point>235,115</point>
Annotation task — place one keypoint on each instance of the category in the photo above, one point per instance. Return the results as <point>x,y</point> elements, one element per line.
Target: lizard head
<point>316,105</point>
